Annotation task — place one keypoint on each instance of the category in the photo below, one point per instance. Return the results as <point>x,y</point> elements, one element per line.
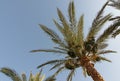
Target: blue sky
<point>20,33</point>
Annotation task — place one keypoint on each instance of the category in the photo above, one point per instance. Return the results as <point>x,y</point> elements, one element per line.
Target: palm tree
<point>15,77</point>
<point>77,50</point>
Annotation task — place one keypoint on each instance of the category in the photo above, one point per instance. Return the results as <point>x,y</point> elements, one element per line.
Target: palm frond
<point>54,37</point>
<point>57,65</point>
<point>106,51</point>
<point>117,32</point>
<point>72,72</point>
<point>10,73</point>
<point>98,22</point>
<point>102,46</point>
<point>102,38</point>
<point>37,77</point>
<point>103,59</point>
<point>114,4</point>
<point>59,27</point>
<point>115,18</point>
<point>80,35</point>
<point>24,78</point>
<point>71,11</point>
<point>66,28</point>
<point>49,50</point>
<point>84,71</point>
<point>31,77</point>
<point>58,71</point>
<point>50,62</point>
<point>51,78</point>
<point>62,49</point>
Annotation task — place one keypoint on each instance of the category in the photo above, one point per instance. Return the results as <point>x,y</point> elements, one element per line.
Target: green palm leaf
<point>80,36</point>
<point>49,50</point>
<point>71,11</point>
<point>10,73</point>
<point>104,59</point>
<point>106,52</point>
<point>58,71</point>
<point>67,31</point>
<point>102,38</point>
<point>57,65</point>
<point>98,22</point>
<point>51,62</point>
<point>55,38</point>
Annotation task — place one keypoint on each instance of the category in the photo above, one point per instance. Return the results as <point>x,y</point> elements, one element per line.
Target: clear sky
<point>20,33</point>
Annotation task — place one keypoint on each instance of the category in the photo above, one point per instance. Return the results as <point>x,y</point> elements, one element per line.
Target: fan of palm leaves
<point>74,45</point>
<point>16,77</point>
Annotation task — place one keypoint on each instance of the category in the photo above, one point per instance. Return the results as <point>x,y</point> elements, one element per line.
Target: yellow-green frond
<point>71,11</point>
<point>66,28</point>
<point>80,35</point>
<point>10,73</point>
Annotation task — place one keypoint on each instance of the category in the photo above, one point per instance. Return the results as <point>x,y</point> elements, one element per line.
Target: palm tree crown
<point>74,46</point>
<point>16,77</point>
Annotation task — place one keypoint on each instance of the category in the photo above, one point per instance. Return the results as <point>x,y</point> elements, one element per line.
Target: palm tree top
<point>74,46</point>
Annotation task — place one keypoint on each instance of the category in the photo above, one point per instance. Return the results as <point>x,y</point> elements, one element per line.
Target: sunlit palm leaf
<point>31,78</point>
<point>51,62</point>
<point>102,38</point>
<point>106,51</point>
<point>49,50</point>
<point>71,11</point>
<point>51,78</point>
<point>10,73</point>
<point>98,22</point>
<point>67,31</point>
<point>69,78</point>
<point>37,77</point>
<point>80,35</point>
<point>117,32</point>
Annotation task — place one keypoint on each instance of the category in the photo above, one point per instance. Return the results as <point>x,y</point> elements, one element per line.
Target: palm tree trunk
<point>85,62</point>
